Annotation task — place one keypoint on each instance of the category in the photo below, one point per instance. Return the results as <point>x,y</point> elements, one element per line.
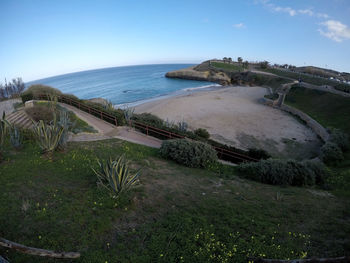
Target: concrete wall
<point>310,122</point>
<point>325,88</point>
<point>314,125</point>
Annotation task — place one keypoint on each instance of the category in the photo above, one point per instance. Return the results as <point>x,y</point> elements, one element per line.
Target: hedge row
<point>285,172</point>
<point>197,135</point>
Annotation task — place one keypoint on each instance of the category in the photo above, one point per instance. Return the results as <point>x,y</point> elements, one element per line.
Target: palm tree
<point>239,59</point>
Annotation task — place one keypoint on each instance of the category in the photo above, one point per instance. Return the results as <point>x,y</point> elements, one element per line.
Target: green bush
<point>331,153</point>
<point>149,119</point>
<point>258,153</point>
<point>34,91</point>
<point>283,172</point>
<point>188,152</point>
<point>203,133</point>
<point>117,113</point>
<point>319,170</point>
<point>340,138</point>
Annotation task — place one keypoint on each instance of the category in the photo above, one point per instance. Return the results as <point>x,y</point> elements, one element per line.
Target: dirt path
<point>107,130</point>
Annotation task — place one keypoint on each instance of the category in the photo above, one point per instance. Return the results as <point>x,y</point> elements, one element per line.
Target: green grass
<point>177,214</point>
<point>226,66</point>
<point>305,78</point>
<point>328,109</point>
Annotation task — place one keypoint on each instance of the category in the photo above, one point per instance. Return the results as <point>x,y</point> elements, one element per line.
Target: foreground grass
<point>177,214</point>
<point>328,109</point>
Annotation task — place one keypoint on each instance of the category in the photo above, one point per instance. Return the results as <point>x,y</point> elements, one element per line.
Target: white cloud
<point>306,12</point>
<point>321,15</point>
<point>288,10</point>
<point>291,11</point>
<point>335,30</point>
<point>240,25</point>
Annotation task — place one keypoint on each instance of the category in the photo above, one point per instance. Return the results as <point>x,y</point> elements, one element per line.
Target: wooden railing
<point>91,110</point>
<point>221,152</point>
<point>147,129</point>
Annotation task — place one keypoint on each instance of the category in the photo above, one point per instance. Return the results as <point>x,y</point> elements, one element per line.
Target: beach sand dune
<point>234,116</point>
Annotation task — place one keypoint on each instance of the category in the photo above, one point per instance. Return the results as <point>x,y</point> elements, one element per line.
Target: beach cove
<point>233,115</point>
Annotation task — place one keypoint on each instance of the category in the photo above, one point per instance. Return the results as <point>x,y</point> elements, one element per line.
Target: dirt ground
<point>233,115</point>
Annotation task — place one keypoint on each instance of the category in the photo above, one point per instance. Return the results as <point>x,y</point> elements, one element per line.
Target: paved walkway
<point>107,130</point>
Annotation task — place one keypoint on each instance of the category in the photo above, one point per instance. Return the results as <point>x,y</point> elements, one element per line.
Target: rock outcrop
<point>206,75</point>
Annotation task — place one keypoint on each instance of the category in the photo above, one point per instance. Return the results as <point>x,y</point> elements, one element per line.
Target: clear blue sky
<point>41,38</point>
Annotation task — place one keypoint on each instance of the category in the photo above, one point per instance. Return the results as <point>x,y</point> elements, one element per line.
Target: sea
<point>128,85</point>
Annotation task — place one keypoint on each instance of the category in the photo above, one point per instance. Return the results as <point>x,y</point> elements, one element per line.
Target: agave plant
<point>183,126</point>
<point>109,105</point>
<point>115,175</point>
<point>128,113</point>
<point>48,136</point>
<point>65,123</point>
<point>3,129</point>
<point>53,99</point>
<point>16,137</point>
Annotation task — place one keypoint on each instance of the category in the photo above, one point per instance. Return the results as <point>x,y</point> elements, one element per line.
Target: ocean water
<point>124,85</point>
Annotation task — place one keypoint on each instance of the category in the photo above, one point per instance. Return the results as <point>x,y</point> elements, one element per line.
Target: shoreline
<point>174,94</point>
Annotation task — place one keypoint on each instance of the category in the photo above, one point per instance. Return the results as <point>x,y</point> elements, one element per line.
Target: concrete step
<point>13,116</point>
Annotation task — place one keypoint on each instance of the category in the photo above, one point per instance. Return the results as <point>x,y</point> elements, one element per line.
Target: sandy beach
<point>234,116</point>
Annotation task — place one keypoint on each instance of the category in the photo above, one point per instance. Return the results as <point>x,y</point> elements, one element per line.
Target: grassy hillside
<point>226,66</point>
<point>329,109</point>
<point>305,78</point>
<point>177,214</point>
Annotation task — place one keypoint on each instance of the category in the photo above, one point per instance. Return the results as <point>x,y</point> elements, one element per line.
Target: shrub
<point>331,153</point>
<point>203,133</point>
<point>117,113</point>
<point>340,138</point>
<point>115,175</point>
<point>283,172</point>
<point>258,154</point>
<point>319,170</point>
<point>188,152</point>
<point>41,112</point>
<point>149,119</point>
<point>35,90</point>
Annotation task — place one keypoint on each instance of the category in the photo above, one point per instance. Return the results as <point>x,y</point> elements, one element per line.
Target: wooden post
<point>37,251</point>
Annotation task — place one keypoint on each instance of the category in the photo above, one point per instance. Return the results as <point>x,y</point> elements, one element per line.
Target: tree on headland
<point>264,64</point>
<point>240,60</point>
<point>246,64</point>
<point>224,59</point>
<point>229,60</point>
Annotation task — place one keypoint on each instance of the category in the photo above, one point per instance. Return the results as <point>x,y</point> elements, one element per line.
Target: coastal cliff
<point>203,74</point>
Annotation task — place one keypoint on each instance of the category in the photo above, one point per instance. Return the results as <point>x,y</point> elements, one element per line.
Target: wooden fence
<point>222,153</point>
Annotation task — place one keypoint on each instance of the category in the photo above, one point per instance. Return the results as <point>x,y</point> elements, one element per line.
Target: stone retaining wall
<point>314,125</point>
